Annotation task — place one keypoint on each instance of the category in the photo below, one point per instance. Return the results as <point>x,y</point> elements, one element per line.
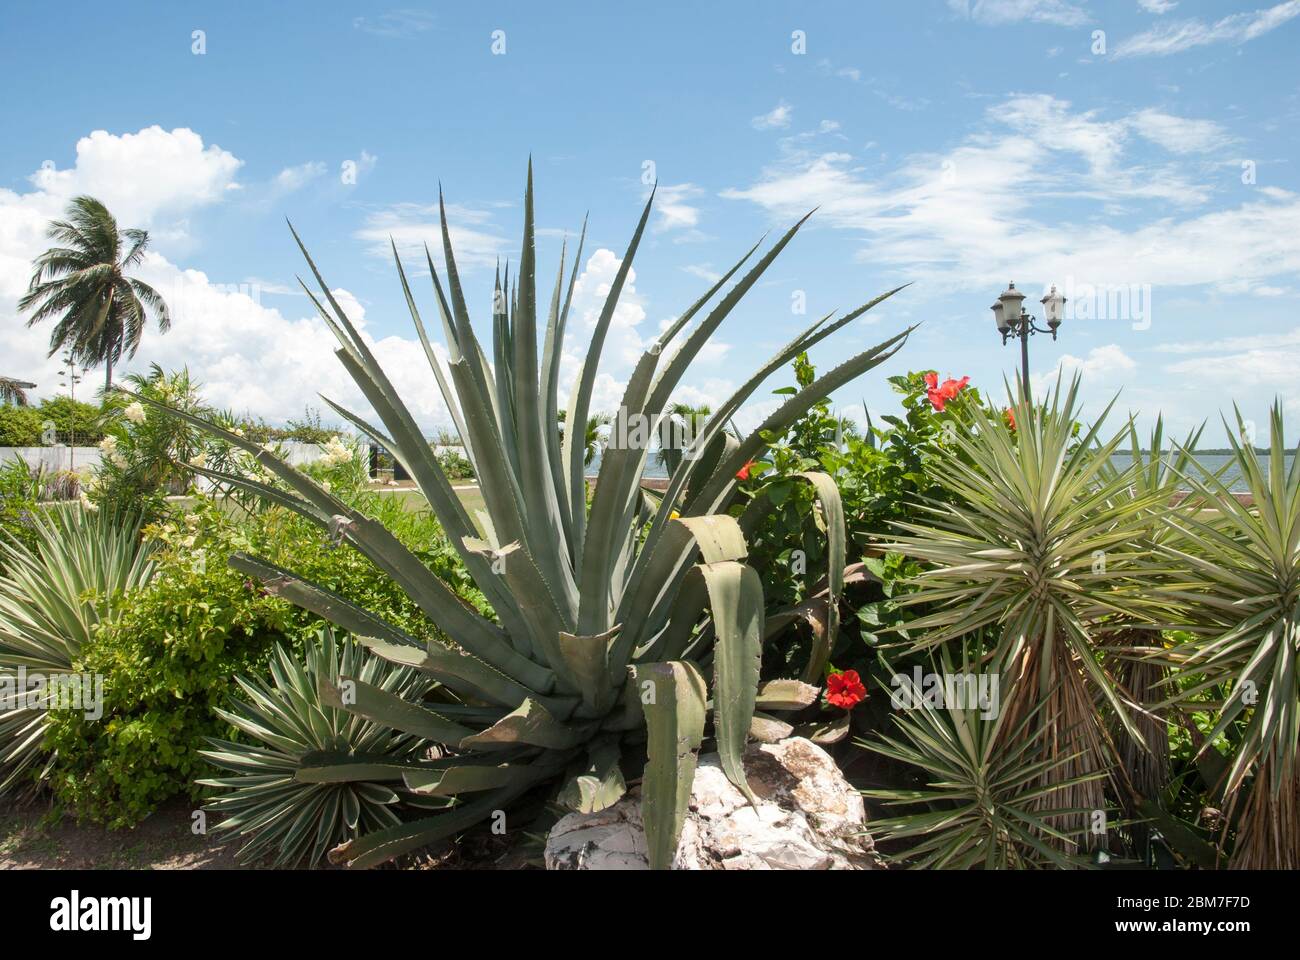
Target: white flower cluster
<point>335,453</point>
<point>108,447</point>
<point>134,413</point>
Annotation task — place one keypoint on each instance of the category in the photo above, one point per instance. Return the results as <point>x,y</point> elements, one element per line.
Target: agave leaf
<point>464,673</point>
<point>786,695</point>
<point>766,729</point>
<point>580,400</point>
<point>529,723</point>
<point>587,659</point>
<point>824,732</point>
<point>373,703</point>
<point>333,766</point>
<point>673,697</point>
<point>736,601</point>
<point>467,778</point>
<point>601,783</point>
<point>383,845</point>
<point>828,495</point>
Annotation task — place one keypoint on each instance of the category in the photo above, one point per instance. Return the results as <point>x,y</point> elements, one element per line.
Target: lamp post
<point>1013,321</point>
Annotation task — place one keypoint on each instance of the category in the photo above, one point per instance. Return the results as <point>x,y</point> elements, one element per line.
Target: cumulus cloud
<point>144,177</point>
<point>1103,366</point>
<point>250,357</point>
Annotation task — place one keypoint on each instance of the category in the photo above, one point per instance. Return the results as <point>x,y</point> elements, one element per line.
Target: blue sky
<point>1136,150</point>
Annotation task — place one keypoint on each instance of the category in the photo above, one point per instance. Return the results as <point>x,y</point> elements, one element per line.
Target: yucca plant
<point>1036,537</point>
<point>1135,646</point>
<point>989,788</point>
<point>607,616</point>
<point>52,596</point>
<point>284,819</point>
<point>1240,599</point>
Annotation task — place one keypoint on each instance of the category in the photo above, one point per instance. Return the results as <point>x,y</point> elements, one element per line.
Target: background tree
<point>101,311</point>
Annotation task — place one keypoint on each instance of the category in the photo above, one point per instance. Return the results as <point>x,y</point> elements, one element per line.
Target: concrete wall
<point>81,458</point>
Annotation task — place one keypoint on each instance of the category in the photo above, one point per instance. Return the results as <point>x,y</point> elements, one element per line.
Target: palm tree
<point>102,312</point>
<point>683,424</point>
<point>592,441</point>
<point>14,391</point>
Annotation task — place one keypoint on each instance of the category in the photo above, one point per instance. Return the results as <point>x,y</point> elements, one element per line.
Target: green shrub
<point>75,422</point>
<point>167,662</point>
<point>78,571</point>
<point>170,660</point>
<point>19,426</point>
<point>455,465</point>
<point>882,473</point>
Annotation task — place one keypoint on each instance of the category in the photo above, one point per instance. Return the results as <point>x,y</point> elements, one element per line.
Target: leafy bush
<point>20,426</point>
<point>883,474</point>
<point>455,465</point>
<point>168,662</point>
<point>20,491</point>
<point>75,422</point>
<point>74,577</point>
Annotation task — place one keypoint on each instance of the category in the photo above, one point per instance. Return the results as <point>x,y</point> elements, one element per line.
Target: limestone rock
<point>808,818</point>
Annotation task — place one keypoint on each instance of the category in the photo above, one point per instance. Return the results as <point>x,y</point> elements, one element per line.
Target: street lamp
<point>1013,321</point>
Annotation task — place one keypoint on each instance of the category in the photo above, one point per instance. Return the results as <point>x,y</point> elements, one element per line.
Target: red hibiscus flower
<point>1009,416</point>
<point>845,690</point>
<point>743,472</point>
<point>940,393</point>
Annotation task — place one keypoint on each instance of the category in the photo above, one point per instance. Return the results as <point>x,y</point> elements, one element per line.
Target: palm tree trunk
<point>108,375</point>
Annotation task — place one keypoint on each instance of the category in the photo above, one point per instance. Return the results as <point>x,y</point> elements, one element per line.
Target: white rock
<point>808,818</point>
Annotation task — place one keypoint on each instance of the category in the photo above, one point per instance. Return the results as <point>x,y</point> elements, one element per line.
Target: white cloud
<point>295,178</point>
<point>248,356</point>
<point>777,117</point>
<point>988,208</point>
<point>1263,341</point>
<point>1168,38</point>
<point>1268,364</point>
<point>674,213</point>
<point>1157,6</point>
<point>1178,134</point>
<point>142,177</point>
<point>995,12</point>
<point>396,24</point>
<point>1103,366</point>
<point>412,225</point>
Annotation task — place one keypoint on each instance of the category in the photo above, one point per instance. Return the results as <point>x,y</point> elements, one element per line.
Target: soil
<point>163,841</point>
<point>31,839</point>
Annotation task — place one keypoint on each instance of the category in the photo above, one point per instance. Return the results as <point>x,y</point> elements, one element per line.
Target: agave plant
<point>1240,599</point>
<point>989,784</point>
<point>52,596</point>
<point>290,821</point>
<point>608,616</point>
<point>1038,537</point>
